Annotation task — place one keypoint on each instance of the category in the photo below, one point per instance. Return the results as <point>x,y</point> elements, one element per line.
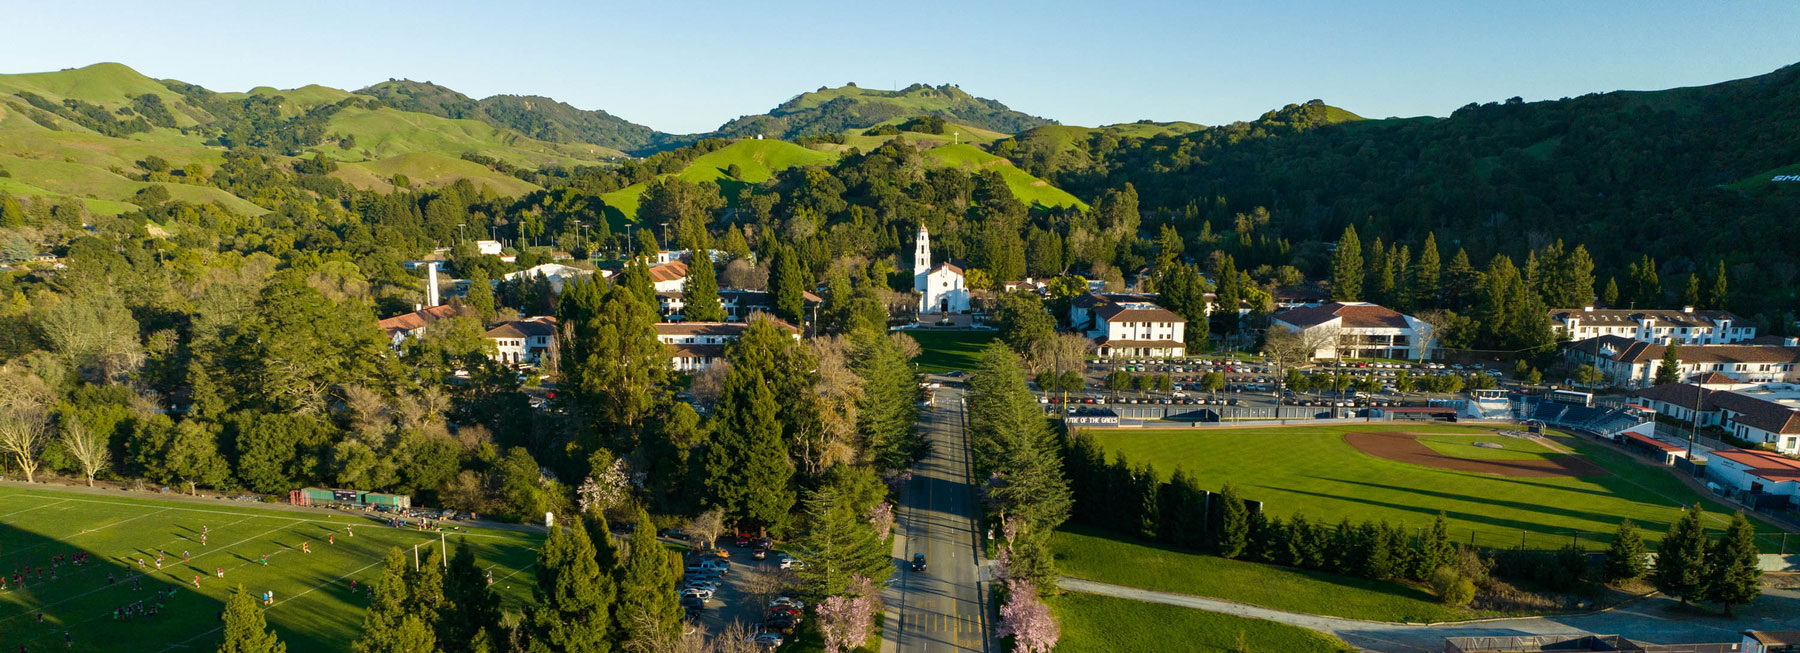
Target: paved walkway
<point>1649,620</point>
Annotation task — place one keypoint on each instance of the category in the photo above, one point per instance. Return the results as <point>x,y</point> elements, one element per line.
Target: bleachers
<point>1595,420</point>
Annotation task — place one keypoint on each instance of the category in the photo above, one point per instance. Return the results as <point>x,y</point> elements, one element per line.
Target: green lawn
<point>946,351</point>
<point>1463,446</point>
<point>1103,624</point>
<point>1311,470</point>
<point>314,611</point>
<point>1088,554</point>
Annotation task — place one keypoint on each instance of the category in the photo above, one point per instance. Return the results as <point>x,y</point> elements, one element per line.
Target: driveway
<point>1648,621</point>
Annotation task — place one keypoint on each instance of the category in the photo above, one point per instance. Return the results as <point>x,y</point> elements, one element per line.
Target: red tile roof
<point>1627,350</point>
<point>1356,315</point>
<point>670,271</point>
<point>1130,313</point>
<point>418,319</point>
<point>1772,467</point>
<point>1659,444</point>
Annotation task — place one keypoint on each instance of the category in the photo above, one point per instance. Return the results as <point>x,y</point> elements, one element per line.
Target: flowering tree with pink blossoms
<point>882,519</point>
<point>1027,620</point>
<point>845,620</point>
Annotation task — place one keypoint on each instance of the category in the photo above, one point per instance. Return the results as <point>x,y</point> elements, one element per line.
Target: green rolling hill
<point>1031,190</point>
<point>831,110</point>
<point>758,161</point>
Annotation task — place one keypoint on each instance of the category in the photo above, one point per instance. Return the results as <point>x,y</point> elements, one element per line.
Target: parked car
<point>702,593</point>
<point>790,563</point>
<point>720,565</point>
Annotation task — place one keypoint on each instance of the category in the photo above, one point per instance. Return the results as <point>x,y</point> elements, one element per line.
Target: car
<point>918,562</point>
<point>702,593</point>
<point>788,601</point>
<point>693,602</point>
<point>722,553</point>
<point>720,565</point>
<point>695,568</point>
<point>742,540</point>
<point>674,534</point>
<point>760,554</point>
<point>785,611</point>
<point>790,563</point>
<point>768,641</point>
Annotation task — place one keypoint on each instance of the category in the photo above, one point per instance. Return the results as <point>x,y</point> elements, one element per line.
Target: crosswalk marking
<point>940,623</point>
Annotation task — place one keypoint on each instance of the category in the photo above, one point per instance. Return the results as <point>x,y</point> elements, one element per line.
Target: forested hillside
<point>1681,175</point>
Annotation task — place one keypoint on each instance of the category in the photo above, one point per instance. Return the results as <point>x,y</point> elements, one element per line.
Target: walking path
<point>1649,620</point>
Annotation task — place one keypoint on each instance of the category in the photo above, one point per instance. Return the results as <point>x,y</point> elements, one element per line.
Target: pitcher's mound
<point>1406,448</point>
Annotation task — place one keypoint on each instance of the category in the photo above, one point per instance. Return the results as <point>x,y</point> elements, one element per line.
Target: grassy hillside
<point>953,133</point>
<point>428,169</point>
<point>535,116</point>
<point>829,110</point>
<point>109,85</point>
<point>385,132</point>
<point>758,161</point>
<point>1030,190</point>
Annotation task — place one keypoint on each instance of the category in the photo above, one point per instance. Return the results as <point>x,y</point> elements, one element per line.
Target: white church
<point>941,289</point>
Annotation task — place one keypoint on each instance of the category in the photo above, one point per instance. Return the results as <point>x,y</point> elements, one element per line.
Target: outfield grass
<point>1096,556</point>
<point>315,609</point>
<point>946,351</point>
<point>1104,624</point>
<point>1463,446</point>
<point>1311,470</point>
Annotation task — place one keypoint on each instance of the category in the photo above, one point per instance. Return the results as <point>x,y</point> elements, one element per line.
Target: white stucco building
<point>941,289</point>
<point>1360,330</point>
<point>697,345</point>
<point>523,342</point>
<point>1682,327</point>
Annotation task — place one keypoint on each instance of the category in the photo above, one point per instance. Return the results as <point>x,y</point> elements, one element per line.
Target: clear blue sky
<point>686,67</point>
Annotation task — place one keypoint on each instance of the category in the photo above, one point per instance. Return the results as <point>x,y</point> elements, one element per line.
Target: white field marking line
<point>264,512</point>
<point>125,563</point>
<point>53,540</point>
<point>52,503</point>
<point>218,550</point>
<point>315,588</point>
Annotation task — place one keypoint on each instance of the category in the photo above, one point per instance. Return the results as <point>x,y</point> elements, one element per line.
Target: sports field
<point>947,351</point>
<point>1531,493</point>
<point>314,608</point>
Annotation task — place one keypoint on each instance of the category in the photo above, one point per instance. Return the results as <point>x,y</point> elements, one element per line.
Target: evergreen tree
<point>1425,275</point>
<point>1680,569</point>
<point>1690,293</point>
<point>747,468</point>
<point>574,605</point>
<point>390,625</point>
<point>1460,281</point>
<point>1225,315</point>
<point>1669,370</point>
<point>1733,575</point>
<point>700,294</point>
<point>1233,532</point>
<point>245,630</point>
<point>1717,295</point>
<point>1347,268</point>
<point>481,294</point>
<point>787,284</point>
<point>1435,549</point>
<point>1648,284</point>
<point>1626,558</point>
<point>839,545</point>
<point>647,610</point>
<point>1610,297</point>
<point>1013,445</point>
<point>887,413</point>
<point>472,609</point>
<point>425,590</point>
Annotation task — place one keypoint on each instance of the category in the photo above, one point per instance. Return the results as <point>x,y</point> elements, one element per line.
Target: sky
<point>690,66</point>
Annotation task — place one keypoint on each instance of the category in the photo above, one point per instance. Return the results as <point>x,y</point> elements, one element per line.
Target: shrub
<point>1452,588</point>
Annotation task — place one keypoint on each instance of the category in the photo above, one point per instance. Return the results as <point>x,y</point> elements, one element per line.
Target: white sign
<point>549,520</point>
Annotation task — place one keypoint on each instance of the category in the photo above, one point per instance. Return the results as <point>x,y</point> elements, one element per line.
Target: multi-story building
<point>1683,327</point>
<point>697,345</point>
<point>523,342</point>
<point>1631,363</point>
<point>1360,330</point>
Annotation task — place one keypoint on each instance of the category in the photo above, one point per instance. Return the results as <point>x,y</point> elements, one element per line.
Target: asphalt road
<point>942,608</point>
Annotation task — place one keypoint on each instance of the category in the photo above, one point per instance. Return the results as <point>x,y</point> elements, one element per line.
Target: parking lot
<point>742,590</point>
<point>1247,389</point>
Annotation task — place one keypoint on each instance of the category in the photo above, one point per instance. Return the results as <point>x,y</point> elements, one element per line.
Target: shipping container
<point>396,501</point>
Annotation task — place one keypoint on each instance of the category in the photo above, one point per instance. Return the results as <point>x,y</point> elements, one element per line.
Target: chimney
<point>431,283</point>
<point>1687,309</point>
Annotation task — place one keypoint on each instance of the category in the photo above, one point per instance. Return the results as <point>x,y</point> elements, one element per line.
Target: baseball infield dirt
<point>1406,448</point>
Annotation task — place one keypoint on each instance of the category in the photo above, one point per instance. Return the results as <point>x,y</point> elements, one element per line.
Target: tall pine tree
<point>1681,559</point>
<point>1347,268</point>
<point>573,612</point>
<point>1425,275</point>
<point>1626,558</point>
<point>647,610</point>
<point>1733,575</point>
<point>700,293</point>
<point>472,613</point>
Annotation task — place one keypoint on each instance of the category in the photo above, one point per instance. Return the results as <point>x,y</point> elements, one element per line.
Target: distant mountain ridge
<point>826,110</point>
